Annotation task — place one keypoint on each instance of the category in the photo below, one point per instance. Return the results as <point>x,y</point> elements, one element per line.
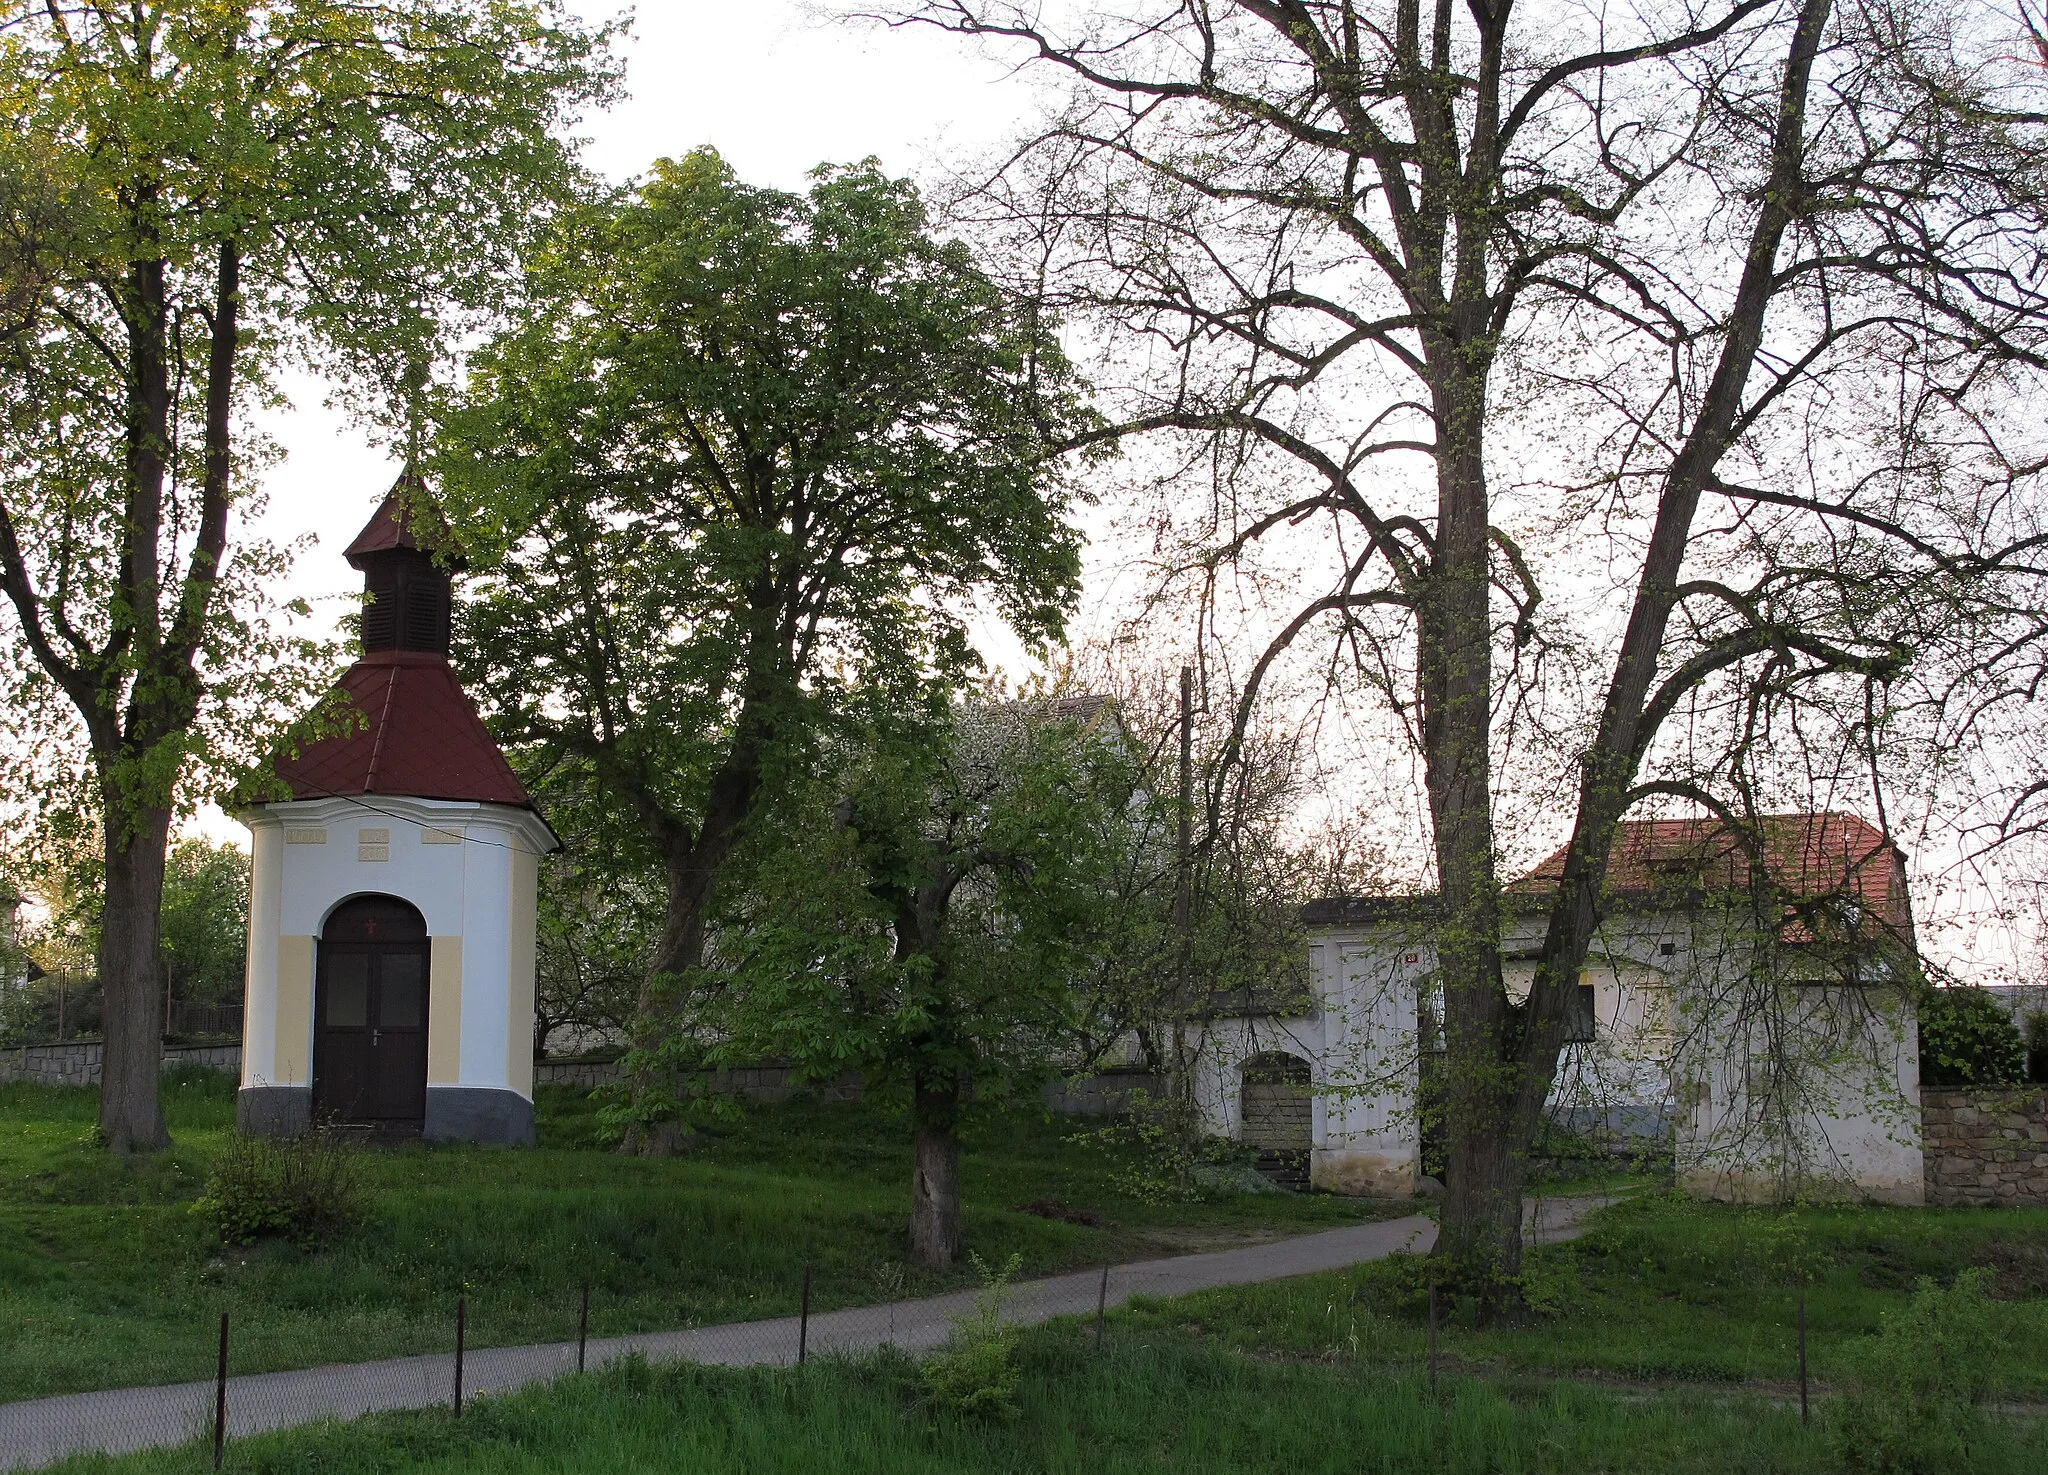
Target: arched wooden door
<point>1277,1114</point>
<point>370,1013</point>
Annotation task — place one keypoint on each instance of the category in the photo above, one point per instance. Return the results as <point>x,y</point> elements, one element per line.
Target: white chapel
<point>391,902</point>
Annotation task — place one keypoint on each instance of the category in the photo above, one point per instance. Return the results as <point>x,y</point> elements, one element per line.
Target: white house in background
<point>1324,1083</point>
<point>1777,1054</point>
<point>17,969</point>
<point>391,901</point>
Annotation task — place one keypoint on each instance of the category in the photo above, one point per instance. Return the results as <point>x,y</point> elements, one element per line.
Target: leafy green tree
<point>745,449</point>
<point>204,930</point>
<point>936,924</point>
<point>1967,1038</point>
<point>243,184</point>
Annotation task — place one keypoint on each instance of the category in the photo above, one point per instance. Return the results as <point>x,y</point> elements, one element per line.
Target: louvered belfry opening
<point>409,603</point>
<point>410,594</point>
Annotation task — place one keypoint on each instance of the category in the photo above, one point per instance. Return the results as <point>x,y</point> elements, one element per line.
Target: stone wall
<point>587,1073</point>
<point>78,1063</point>
<point>1985,1146</point>
<point>753,1082</point>
<point>1106,1094</point>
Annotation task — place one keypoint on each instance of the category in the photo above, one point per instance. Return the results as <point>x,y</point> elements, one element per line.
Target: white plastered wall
<point>1621,1079</point>
<point>1681,1026</point>
<point>1796,1088</point>
<point>1359,1042</point>
<point>471,869</point>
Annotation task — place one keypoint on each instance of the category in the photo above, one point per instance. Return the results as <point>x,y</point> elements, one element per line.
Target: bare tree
<point>1707,323</point>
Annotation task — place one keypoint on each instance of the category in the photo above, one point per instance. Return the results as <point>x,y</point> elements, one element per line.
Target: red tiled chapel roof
<point>420,737</point>
<point>398,523</point>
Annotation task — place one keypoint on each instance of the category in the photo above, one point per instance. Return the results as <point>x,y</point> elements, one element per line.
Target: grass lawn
<point>1140,1406</point>
<point>1659,1289</point>
<point>108,1279</point>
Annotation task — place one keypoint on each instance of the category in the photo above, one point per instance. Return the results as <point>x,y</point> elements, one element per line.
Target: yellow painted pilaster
<point>292,1057</point>
<point>444,1011</point>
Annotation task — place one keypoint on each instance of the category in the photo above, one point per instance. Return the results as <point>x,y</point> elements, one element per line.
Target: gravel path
<point>118,1420</point>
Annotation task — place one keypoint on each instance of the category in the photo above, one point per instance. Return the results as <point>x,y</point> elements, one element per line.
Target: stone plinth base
<point>487,1115</point>
<point>1769,1186</point>
<point>1362,1174</point>
<point>273,1111</point>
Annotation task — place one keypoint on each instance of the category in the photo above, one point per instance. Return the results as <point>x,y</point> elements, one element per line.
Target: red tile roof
<point>420,738</point>
<point>392,525</point>
<point>1812,856</point>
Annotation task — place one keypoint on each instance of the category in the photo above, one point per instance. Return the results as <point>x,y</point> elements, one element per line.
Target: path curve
<point>120,1420</point>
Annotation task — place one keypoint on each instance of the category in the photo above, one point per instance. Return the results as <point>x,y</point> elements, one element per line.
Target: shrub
<point>1914,1398</point>
<point>302,1188</point>
<point>1163,1157</point>
<point>1968,1039</point>
<point>2037,1047</point>
<point>976,1371</point>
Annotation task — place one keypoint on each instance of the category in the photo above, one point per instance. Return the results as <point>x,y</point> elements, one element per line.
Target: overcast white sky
<point>773,89</point>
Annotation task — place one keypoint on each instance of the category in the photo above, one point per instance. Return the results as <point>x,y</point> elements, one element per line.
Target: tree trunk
<point>655,1081</point>
<point>935,1171</point>
<point>131,1115</point>
<point>1483,1160</point>
<point>693,863</point>
<point>1629,717</point>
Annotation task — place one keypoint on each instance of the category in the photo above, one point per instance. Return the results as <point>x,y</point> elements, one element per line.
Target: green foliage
<point>1164,1156</point>
<point>1967,1038</point>
<point>202,938</point>
<point>205,916</point>
<point>938,919</point>
<point>976,1372</point>
<point>597,925</point>
<point>305,1188</point>
<point>350,182</point>
<point>2036,1032</point>
<point>745,458</point>
<point>1914,1399</point>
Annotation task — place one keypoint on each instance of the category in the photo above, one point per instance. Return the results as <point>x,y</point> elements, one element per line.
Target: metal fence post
<point>803,1319</point>
<point>1802,1353</point>
<point>1432,1334</point>
<point>220,1396</point>
<point>1101,1306</point>
<point>583,1326</point>
<point>461,1326</point>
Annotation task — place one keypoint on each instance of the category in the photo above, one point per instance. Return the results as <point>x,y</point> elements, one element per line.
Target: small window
<point>402,991</point>
<point>1578,1017</point>
<point>348,991</point>
<point>1668,948</point>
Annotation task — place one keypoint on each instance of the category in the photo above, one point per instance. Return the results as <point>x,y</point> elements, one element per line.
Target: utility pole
<point>1183,894</point>
<point>1183,883</point>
